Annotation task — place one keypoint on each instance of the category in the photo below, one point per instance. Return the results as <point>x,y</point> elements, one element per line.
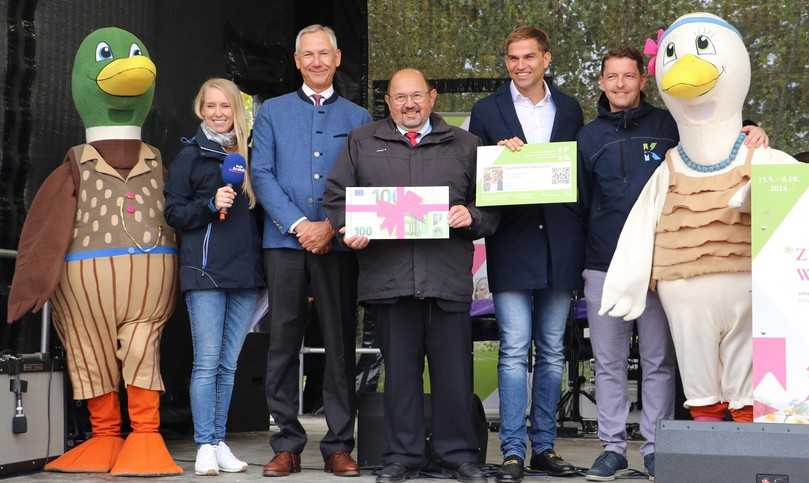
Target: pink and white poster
<point>780,247</point>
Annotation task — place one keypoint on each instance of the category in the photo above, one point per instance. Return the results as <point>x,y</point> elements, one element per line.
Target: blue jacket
<point>213,253</point>
<point>295,145</point>
<point>618,152</point>
<point>535,246</point>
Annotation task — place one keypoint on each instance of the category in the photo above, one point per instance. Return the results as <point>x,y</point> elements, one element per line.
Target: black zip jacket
<point>618,152</point>
<point>213,254</point>
<point>377,154</point>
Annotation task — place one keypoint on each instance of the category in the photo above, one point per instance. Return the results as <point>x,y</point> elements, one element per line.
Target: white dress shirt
<point>536,119</point>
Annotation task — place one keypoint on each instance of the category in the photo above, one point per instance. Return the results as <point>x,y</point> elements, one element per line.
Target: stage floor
<point>254,448</point>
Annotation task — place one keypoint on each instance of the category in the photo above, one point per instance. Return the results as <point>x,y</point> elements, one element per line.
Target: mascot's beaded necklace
<point>712,168</point>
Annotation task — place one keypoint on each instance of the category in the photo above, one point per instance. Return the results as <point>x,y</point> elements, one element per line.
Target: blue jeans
<point>220,321</point>
<point>523,316</point>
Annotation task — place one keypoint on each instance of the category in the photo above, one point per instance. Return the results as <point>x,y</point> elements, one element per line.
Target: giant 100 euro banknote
<point>397,212</point>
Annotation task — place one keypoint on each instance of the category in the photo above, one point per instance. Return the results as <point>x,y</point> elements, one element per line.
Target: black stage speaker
<point>371,428</point>
<point>248,406</point>
<point>687,451</point>
<point>33,435</point>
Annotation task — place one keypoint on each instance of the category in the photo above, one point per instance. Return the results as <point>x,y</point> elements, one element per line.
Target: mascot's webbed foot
<point>96,455</point>
<point>145,454</point>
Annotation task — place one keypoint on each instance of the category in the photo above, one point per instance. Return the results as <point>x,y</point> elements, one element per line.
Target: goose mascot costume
<point>688,234</point>
<point>96,245</point>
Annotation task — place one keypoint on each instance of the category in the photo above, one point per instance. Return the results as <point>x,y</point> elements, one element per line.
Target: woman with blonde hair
<point>220,264</point>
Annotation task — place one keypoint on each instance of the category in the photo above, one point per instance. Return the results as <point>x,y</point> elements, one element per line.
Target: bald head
<point>408,74</point>
<point>410,99</point>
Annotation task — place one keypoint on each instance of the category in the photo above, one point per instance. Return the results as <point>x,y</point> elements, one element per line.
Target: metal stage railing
<point>321,350</point>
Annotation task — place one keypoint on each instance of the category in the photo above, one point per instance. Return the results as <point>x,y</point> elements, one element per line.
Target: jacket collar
<point>505,103</point>
<point>208,148</point>
<point>146,154</point>
<point>623,119</point>
<point>306,99</point>
<point>325,95</point>
<point>440,133</point>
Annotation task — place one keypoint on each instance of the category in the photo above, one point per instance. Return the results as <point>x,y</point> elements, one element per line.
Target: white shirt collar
<point>326,94</point>
<point>517,97</point>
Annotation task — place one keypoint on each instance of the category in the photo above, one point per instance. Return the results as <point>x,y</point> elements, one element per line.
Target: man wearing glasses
<point>534,260</point>
<point>419,290</point>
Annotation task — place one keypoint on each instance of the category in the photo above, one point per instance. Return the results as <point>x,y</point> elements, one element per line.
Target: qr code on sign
<point>560,175</point>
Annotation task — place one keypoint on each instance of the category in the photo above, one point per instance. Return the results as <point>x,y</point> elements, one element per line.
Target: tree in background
<point>464,38</point>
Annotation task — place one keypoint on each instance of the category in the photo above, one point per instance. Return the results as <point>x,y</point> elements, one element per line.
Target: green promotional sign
<point>537,173</point>
<point>776,188</point>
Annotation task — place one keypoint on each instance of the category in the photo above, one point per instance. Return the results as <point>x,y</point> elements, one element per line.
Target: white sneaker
<point>226,461</point>
<point>205,465</point>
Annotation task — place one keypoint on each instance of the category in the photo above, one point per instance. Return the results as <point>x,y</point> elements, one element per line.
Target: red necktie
<point>317,98</point>
<point>412,137</point>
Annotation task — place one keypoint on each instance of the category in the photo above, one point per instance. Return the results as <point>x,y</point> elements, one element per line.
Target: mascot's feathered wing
<point>95,243</point>
<point>689,231</point>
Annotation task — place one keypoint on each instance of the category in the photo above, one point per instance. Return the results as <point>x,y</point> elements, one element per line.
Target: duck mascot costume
<point>688,234</point>
<point>96,245</point>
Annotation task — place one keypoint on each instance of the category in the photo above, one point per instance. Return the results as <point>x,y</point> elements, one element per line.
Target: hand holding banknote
<point>459,217</point>
<point>355,242</point>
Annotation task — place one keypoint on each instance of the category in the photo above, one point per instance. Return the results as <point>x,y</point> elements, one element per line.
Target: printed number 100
<point>386,195</point>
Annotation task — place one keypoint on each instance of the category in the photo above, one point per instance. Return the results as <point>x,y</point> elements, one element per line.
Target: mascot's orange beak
<point>690,77</point>
<point>127,77</point>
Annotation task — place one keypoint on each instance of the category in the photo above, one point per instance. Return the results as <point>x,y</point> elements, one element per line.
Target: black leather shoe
<point>469,473</point>
<point>551,463</point>
<point>511,471</point>
<point>394,473</point>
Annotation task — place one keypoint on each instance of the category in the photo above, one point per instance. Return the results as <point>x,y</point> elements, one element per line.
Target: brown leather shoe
<point>342,464</point>
<point>283,464</point>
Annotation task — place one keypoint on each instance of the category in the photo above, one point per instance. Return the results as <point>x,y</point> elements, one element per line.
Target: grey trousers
<point>610,339</point>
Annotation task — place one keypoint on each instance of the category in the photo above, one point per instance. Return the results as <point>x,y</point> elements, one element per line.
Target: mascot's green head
<point>113,79</point>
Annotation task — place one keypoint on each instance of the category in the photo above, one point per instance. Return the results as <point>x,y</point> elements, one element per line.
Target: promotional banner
<point>537,173</point>
<point>780,248</point>
<point>397,212</point>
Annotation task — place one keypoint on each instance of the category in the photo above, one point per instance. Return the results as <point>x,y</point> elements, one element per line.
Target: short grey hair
<point>316,28</point>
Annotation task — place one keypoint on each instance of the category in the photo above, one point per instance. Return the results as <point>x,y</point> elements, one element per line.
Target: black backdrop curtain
<point>250,42</point>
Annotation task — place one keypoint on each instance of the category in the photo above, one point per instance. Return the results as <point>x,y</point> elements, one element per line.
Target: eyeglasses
<point>417,97</point>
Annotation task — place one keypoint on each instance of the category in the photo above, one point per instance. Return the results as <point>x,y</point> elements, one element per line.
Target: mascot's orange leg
<point>97,454</point>
<point>144,452</point>
<point>711,413</point>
